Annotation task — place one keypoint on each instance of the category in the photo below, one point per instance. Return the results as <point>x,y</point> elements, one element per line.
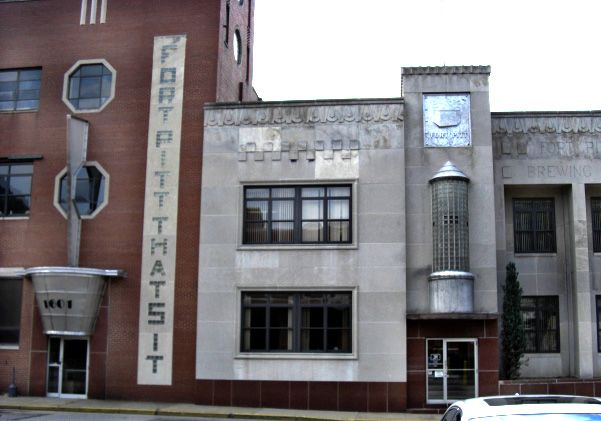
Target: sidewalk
<point>170,409</point>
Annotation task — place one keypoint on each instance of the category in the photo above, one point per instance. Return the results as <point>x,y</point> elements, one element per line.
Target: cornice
<point>264,114</point>
<point>520,123</point>
<point>445,70</point>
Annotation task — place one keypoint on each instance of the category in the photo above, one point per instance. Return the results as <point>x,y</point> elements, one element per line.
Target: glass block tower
<point>451,285</point>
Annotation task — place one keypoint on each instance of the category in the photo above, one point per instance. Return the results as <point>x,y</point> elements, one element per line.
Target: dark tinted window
<point>20,89</point>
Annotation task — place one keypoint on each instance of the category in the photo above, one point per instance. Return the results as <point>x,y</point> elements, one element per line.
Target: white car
<point>526,408</point>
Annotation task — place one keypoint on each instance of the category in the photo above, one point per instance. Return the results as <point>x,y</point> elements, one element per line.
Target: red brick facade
<point>49,34</point>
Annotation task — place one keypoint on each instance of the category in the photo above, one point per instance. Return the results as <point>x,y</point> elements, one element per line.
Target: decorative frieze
<point>266,114</point>
<point>511,125</point>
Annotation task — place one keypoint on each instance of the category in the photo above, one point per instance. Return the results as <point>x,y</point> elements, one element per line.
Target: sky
<point>545,55</point>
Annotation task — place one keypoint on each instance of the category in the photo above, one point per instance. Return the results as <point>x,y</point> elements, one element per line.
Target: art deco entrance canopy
<point>69,297</point>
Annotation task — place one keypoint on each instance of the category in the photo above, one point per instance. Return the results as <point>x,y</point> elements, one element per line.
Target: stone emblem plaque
<point>447,120</point>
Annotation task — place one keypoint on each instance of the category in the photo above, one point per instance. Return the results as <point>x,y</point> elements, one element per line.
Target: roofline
<point>519,114</point>
<point>302,102</point>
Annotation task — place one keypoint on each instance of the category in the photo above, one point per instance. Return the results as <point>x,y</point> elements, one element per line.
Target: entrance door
<point>67,368</point>
<point>452,372</point>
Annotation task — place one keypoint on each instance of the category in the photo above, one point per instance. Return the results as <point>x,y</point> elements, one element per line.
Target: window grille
<point>534,225</point>
<point>541,323</point>
<point>596,223</point>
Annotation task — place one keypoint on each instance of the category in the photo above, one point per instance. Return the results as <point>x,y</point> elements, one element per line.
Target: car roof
<point>527,404</point>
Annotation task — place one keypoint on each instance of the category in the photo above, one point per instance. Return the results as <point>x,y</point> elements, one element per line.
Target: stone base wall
<point>563,386</point>
<point>332,396</point>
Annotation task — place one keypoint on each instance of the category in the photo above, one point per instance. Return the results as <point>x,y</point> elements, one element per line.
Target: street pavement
<point>159,411</point>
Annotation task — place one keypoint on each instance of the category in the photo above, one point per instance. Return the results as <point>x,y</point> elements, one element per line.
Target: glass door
<point>452,370</point>
<point>67,367</point>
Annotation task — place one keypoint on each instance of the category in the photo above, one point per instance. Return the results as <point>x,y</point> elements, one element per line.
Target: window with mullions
<point>90,86</point>
<point>312,322</point>
<point>20,89</point>
<point>297,214</point>
<point>15,189</point>
<point>596,223</point>
<point>534,225</point>
<point>541,323</point>
<point>90,187</point>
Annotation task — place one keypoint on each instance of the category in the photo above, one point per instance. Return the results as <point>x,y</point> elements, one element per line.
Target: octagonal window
<point>91,190</point>
<point>89,86</point>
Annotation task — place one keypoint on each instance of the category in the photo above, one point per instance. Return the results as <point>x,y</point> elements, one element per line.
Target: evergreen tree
<point>513,336</point>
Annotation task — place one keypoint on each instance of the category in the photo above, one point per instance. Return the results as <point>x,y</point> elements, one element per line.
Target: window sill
<point>9,347</point>
<point>19,111</point>
<point>293,356</point>
<point>13,218</point>
<point>249,247</point>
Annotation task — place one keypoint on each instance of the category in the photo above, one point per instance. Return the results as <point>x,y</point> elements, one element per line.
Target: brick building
<point>166,236</point>
<point>95,60</point>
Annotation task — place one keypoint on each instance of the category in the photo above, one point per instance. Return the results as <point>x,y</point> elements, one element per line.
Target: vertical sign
<point>155,342</point>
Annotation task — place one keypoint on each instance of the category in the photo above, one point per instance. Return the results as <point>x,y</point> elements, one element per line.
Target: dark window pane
<point>29,85</point>
<point>339,340</point>
<point>280,340</point>
<point>10,310</point>
<point>255,233</point>
<point>339,232</point>
<point>541,323</point>
<point>4,106</point>
<point>280,317</point>
<point>312,317</point>
<point>256,317</point>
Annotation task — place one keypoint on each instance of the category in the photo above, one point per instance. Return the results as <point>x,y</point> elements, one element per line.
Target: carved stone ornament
<point>548,123</point>
<point>303,114</point>
<point>447,120</point>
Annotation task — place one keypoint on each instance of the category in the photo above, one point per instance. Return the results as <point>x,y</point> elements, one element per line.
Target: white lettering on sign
<point>157,289</point>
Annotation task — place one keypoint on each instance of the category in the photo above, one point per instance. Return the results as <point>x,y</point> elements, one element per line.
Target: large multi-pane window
<point>541,323</point>
<point>596,223</point>
<point>10,310</point>
<point>534,225</point>
<point>15,189</point>
<point>319,322</point>
<point>297,214</point>
<point>20,89</point>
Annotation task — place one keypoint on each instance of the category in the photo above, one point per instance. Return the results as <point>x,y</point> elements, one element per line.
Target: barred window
<point>10,310</point>
<point>297,214</point>
<point>318,322</point>
<point>598,323</point>
<point>596,223</point>
<point>20,89</point>
<point>541,323</point>
<point>534,225</point>
<point>15,189</point>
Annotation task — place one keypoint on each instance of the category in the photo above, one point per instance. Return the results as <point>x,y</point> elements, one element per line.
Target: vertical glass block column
<point>451,283</point>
